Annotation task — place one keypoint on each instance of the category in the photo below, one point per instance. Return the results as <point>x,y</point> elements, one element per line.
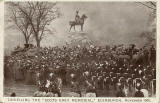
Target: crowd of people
<point>90,68</point>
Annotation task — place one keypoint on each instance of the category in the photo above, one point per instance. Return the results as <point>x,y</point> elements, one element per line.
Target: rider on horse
<point>78,21</point>
<point>77,17</point>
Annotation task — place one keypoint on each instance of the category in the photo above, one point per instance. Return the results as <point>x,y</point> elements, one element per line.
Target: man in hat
<point>77,17</point>
<point>120,93</point>
<point>139,93</point>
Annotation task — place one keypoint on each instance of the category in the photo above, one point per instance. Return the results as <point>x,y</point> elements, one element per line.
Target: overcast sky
<point>107,23</point>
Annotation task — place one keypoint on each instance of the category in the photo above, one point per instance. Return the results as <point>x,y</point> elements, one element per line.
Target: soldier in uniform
<point>120,93</point>
<point>54,87</point>
<point>90,87</point>
<point>107,82</point>
<point>139,93</point>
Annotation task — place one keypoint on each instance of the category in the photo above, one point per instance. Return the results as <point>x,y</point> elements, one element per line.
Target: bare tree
<point>38,15</point>
<point>21,22</point>
<point>149,35</point>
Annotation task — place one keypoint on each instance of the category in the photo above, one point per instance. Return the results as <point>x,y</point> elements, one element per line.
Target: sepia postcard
<point>79,51</point>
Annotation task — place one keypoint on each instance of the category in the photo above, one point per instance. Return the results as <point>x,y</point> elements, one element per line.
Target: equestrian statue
<point>78,21</point>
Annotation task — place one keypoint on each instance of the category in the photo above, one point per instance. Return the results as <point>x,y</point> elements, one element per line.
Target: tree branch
<point>147,6</point>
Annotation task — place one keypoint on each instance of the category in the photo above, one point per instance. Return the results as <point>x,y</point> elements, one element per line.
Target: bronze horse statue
<point>79,22</point>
